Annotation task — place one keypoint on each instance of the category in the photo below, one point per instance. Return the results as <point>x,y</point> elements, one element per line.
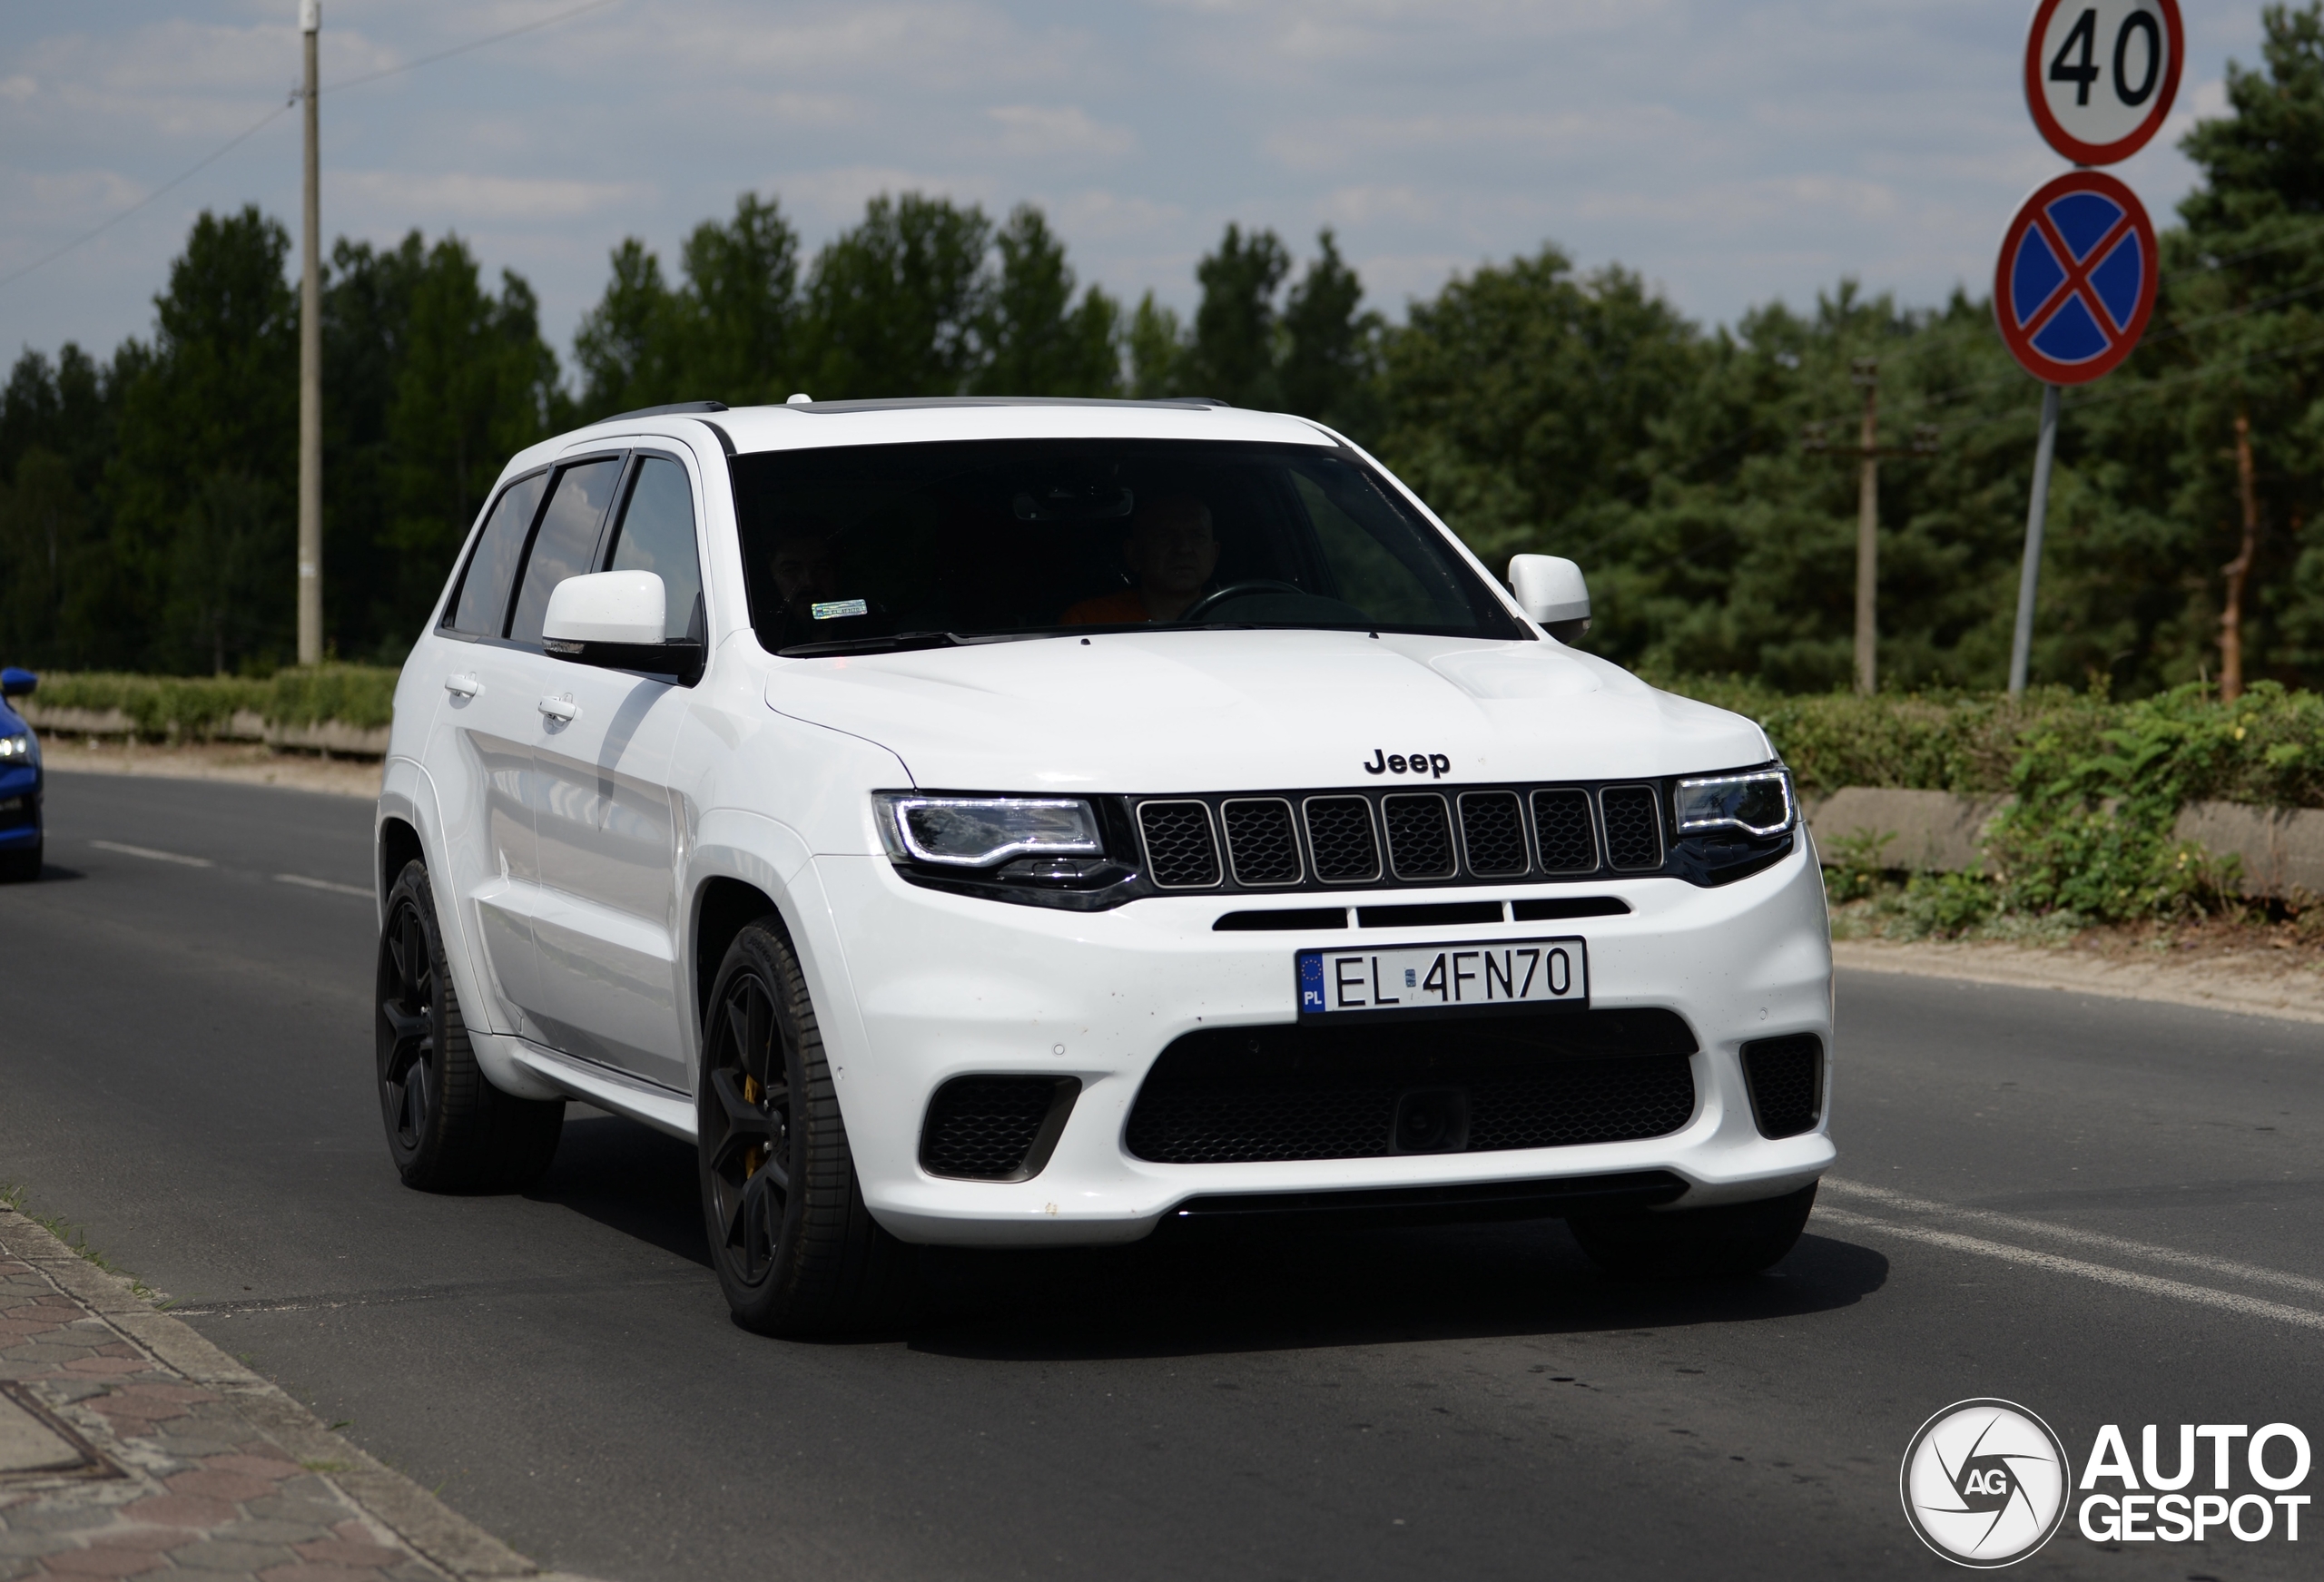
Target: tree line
<point>146,499</point>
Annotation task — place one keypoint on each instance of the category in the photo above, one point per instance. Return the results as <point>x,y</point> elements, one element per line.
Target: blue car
<point>20,781</point>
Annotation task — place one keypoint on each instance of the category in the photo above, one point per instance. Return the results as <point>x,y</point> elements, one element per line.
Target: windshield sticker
<point>838,608</point>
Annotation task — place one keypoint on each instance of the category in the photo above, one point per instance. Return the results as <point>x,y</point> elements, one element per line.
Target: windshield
<point>873,546</point>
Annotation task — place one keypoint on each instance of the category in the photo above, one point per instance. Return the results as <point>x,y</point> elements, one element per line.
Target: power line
<point>462,49</point>
<point>196,168</point>
<point>223,150</point>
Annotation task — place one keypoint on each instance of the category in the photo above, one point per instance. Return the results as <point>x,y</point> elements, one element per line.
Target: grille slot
<point>995,1128</point>
<point>1786,1077</point>
<point>1562,825</point>
<point>1633,827</point>
<point>1493,833</point>
<point>1181,848</point>
<point>1332,1094</point>
<point>1340,839</point>
<point>1420,836</point>
<point>1261,844</point>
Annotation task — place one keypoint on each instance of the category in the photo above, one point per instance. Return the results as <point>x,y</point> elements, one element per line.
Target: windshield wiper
<point>900,643</point>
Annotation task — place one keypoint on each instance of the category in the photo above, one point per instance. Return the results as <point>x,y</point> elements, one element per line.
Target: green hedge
<point>2266,747</point>
<point>163,707</point>
<point>2099,785</point>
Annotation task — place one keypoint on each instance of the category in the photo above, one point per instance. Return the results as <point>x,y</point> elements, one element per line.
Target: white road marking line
<point>2103,1273</point>
<point>304,882</point>
<point>2226,1267</point>
<point>147,852</point>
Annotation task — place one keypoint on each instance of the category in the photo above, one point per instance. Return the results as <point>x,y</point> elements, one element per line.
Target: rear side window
<point>566,540</point>
<point>656,535</point>
<point>483,599</point>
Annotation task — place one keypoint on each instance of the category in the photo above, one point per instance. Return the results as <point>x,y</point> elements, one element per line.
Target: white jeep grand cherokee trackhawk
<point>1018,822</point>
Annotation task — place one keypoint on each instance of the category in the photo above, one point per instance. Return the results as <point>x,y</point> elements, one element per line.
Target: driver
<point>804,570</point>
<point>1171,548</point>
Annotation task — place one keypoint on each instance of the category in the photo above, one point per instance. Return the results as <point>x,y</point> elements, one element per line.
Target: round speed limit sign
<point>2100,74</point>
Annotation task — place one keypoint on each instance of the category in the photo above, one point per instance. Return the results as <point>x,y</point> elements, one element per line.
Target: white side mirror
<point>1548,587</point>
<point>606,606</point>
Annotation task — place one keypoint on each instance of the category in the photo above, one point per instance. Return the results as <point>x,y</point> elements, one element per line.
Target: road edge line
<point>423,1522</point>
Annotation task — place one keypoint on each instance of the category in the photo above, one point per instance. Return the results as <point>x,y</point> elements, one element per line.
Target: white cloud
<point>1051,131</point>
<point>433,200</point>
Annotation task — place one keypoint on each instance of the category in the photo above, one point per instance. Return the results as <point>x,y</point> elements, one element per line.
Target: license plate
<point>1444,978</point>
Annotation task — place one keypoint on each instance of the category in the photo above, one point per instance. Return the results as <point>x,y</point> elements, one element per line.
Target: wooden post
<point>2239,570</point>
<point>310,366</point>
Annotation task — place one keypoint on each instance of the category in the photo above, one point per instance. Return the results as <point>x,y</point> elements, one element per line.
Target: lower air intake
<point>1786,1077</point>
<point>1251,1095</point>
<point>995,1128</point>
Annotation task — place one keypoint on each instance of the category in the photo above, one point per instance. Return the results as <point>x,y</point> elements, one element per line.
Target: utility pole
<point>1865,374</point>
<point>310,366</point>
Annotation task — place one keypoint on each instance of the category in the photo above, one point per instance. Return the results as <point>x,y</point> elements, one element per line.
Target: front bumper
<point>20,806</point>
<point>919,987</point>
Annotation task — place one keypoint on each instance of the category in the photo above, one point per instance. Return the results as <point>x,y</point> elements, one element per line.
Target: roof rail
<point>675,409</point>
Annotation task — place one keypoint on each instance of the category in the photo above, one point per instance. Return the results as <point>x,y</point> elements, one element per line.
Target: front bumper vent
<point>1786,1077</point>
<point>1252,1095</point>
<point>995,1128</point>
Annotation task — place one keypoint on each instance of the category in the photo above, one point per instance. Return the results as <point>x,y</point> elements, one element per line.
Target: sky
<point>1731,151</point>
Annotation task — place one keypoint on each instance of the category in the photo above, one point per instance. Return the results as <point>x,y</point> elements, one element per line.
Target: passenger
<point>804,570</point>
<point>1171,548</point>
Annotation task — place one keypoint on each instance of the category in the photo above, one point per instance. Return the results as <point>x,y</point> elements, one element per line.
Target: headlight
<point>16,747</point>
<point>1758,803</point>
<point>979,831</point>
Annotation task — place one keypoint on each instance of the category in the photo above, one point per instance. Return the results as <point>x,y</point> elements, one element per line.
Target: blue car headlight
<point>16,750</point>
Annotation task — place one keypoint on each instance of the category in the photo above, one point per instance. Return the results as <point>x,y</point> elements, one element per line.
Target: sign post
<point>2076,283</point>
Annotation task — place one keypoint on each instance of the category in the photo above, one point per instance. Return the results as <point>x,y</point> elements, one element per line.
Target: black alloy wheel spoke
<point>751,1228</point>
<point>747,1125</point>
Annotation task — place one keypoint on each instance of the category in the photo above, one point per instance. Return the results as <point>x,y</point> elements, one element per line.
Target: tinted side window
<point>483,599</point>
<point>566,540</point>
<point>656,535</point>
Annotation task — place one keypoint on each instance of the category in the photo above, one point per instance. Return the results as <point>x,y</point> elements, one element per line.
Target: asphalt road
<point>2107,1212</point>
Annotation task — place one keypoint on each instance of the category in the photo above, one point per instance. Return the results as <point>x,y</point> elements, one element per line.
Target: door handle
<point>563,707</point>
<point>464,683</point>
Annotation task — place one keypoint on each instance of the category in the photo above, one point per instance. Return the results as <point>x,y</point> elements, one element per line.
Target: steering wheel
<point>1257,584</point>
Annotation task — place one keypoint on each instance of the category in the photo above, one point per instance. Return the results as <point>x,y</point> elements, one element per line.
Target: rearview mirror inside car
<point>615,619</point>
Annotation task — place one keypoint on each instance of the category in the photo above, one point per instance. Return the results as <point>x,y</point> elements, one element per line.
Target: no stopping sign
<point>2100,74</point>
<point>2075,285</point>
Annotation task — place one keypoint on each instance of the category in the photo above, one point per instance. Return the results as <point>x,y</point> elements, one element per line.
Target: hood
<point>1228,711</point>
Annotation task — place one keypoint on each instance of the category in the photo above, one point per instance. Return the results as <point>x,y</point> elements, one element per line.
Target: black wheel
<point>797,1252</point>
<point>448,1129</point>
<point>1701,1243</point>
<point>21,867</point>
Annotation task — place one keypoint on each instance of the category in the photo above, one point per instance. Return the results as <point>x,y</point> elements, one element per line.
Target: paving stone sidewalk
<point>186,1461</point>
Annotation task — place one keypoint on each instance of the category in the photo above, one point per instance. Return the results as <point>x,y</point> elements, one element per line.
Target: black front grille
<point>1568,834</point>
<point>1420,836</point>
<point>1181,850</point>
<point>1493,833</point>
<point>1328,1092</point>
<point>1633,827</point>
<point>1262,845</point>
<point>1786,1077</point>
<point>994,1129</point>
<point>1340,839</point>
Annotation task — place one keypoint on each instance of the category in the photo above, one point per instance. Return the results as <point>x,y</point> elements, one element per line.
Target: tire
<point>1703,1243</point>
<point>797,1252</point>
<point>448,1129</point>
<point>21,867</point>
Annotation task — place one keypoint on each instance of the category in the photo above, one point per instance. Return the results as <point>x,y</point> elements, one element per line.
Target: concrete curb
<point>424,1524</point>
<point>2243,986</point>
